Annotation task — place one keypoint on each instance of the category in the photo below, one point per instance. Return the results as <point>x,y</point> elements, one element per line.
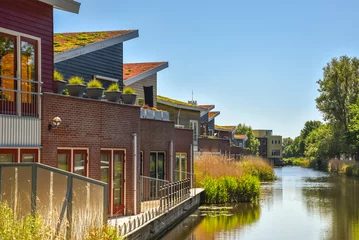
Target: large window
<point>19,80</point>
<point>18,155</point>
<point>73,160</point>
<point>181,166</point>
<point>157,165</point>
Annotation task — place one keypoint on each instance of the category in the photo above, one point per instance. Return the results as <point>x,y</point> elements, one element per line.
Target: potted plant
<point>129,96</point>
<point>59,83</point>
<point>76,86</point>
<point>113,93</point>
<point>94,89</point>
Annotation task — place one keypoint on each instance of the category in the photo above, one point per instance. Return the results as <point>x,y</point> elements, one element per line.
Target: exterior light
<point>55,123</point>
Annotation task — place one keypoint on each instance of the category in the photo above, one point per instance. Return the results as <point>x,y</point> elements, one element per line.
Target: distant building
<point>270,145</point>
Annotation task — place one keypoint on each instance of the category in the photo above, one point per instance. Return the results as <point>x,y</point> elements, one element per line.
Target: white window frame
<point>18,36</point>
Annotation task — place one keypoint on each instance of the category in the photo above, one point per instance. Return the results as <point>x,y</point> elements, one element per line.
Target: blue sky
<point>257,61</point>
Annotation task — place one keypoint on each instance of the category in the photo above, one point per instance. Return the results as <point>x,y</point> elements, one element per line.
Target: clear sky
<point>257,61</point>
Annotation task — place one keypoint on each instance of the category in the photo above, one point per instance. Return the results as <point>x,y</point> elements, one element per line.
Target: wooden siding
<point>148,81</point>
<point>34,18</point>
<point>185,115</point>
<point>107,62</point>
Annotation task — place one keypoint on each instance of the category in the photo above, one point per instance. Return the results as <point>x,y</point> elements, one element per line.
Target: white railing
<point>21,100</point>
<point>153,114</point>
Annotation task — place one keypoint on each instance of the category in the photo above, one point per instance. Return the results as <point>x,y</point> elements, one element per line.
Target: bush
<point>129,90</point>
<point>231,189</point>
<point>104,233</point>
<point>76,80</point>
<point>113,88</point>
<point>94,83</point>
<point>302,162</point>
<point>58,76</point>
<point>258,167</point>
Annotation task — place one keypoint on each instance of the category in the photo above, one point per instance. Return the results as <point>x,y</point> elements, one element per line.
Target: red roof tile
<point>131,70</point>
<point>206,106</point>
<point>67,41</point>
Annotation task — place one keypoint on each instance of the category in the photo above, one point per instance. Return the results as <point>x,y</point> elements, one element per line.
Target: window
<point>73,160</point>
<point>194,126</point>
<point>181,166</point>
<point>8,155</point>
<point>18,155</point>
<point>275,152</point>
<point>19,81</point>
<point>210,132</point>
<point>157,165</point>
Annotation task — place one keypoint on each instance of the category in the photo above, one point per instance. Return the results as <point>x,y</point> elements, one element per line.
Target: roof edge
<point>92,47</point>
<point>214,116</point>
<point>208,110</point>
<point>65,5</point>
<point>145,74</point>
<point>193,108</point>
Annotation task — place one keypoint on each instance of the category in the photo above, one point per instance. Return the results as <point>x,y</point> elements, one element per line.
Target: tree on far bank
<point>252,143</point>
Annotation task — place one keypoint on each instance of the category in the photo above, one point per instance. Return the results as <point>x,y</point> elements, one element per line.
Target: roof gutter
<point>65,5</point>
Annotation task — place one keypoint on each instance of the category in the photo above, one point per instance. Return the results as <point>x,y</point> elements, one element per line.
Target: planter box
<point>76,90</point>
<point>59,86</point>
<point>113,96</point>
<point>94,93</point>
<point>129,98</point>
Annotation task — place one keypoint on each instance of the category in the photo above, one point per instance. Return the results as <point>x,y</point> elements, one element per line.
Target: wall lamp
<point>55,123</point>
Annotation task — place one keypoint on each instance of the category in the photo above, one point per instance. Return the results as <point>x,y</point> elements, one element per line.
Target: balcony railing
<point>153,114</point>
<point>150,192</point>
<point>19,97</point>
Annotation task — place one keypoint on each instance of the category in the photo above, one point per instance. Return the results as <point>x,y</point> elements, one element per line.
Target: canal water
<point>302,204</point>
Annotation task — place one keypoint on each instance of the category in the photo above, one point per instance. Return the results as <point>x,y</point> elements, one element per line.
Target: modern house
<point>270,145</point>
<point>239,140</point>
<point>185,115</point>
<point>142,77</point>
<point>206,128</point>
<point>26,71</point>
<point>225,132</point>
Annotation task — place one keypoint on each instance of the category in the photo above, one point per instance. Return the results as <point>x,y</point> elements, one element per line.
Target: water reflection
<point>302,204</point>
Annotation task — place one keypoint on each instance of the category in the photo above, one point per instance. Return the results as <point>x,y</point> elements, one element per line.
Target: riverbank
<point>229,181</point>
<point>348,168</point>
<point>301,162</point>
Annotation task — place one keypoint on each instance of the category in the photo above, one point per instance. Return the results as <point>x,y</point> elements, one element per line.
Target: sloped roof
<point>225,128</point>
<point>177,103</point>
<point>67,41</point>
<point>206,106</point>
<point>240,136</point>
<point>212,114</point>
<point>133,72</point>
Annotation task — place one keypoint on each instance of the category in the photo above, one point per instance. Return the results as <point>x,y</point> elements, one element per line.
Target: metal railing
<point>22,99</point>
<point>150,192</point>
<point>174,193</point>
<point>67,202</point>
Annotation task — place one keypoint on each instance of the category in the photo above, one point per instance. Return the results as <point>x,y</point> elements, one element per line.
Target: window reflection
<point>27,70</point>
<point>7,66</point>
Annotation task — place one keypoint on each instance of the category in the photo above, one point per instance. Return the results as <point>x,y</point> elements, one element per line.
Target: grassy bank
<point>34,228</point>
<point>229,181</point>
<point>302,162</point>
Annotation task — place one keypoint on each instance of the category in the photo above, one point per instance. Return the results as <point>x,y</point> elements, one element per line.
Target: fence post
<point>33,189</point>
<point>105,204</point>
<point>69,207</point>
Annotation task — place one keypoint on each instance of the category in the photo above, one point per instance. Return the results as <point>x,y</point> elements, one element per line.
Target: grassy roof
<point>131,70</point>
<point>67,41</point>
<point>225,128</point>
<point>175,101</point>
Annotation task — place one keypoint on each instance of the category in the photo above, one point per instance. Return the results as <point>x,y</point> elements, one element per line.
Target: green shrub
<point>129,90</point>
<point>113,88</point>
<point>76,80</point>
<point>231,189</point>
<point>104,233</point>
<point>58,76</point>
<point>94,83</point>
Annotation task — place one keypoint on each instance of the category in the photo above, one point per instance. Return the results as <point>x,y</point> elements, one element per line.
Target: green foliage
<point>94,83</point>
<point>231,190</point>
<point>113,88</point>
<point>104,233</point>
<point>76,80</point>
<point>129,90</point>
<point>252,143</point>
<point>262,171</point>
<point>58,76</point>
<point>302,162</point>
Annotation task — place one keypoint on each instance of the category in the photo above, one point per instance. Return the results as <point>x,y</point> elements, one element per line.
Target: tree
<point>252,144</point>
<point>339,89</point>
<point>286,142</point>
<point>321,143</point>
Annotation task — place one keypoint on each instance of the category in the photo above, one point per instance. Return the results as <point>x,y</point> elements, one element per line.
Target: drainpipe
<point>178,116</point>
<point>135,172</point>
<point>191,163</point>
<point>171,160</point>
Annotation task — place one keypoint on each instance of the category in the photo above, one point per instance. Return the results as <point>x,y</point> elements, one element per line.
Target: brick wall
<point>183,141</point>
<point>156,136</point>
<point>94,125</point>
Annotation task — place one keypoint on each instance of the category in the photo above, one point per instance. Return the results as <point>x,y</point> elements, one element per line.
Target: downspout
<point>171,160</point>
<point>178,116</point>
<point>191,164</point>
<point>135,172</point>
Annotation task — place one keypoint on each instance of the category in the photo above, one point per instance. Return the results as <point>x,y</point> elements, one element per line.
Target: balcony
<point>19,112</point>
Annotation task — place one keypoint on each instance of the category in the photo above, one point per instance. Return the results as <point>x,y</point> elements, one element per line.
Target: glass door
<point>118,183</point>
<point>194,126</point>
<point>80,162</point>
<point>106,175</point>
<point>64,160</point>
<point>8,71</point>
